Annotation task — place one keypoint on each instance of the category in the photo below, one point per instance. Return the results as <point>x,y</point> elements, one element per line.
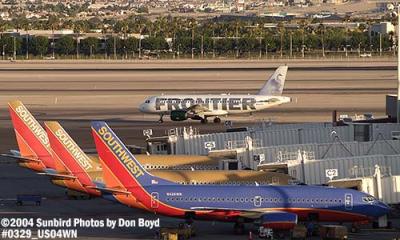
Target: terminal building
<point>354,150</point>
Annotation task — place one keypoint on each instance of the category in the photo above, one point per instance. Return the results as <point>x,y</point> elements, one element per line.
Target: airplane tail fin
<point>32,139</point>
<point>120,160</point>
<point>70,154</point>
<point>274,85</point>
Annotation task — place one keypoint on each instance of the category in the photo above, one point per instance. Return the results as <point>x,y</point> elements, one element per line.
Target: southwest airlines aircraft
<point>276,207</point>
<point>55,154</point>
<point>200,107</point>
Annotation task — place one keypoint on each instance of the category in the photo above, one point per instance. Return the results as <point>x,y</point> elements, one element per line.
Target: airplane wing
<point>198,109</point>
<point>202,110</point>
<point>57,176</point>
<point>110,190</point>
<point>21,159</point>
<point>251,214</point>
<point>269,218</point>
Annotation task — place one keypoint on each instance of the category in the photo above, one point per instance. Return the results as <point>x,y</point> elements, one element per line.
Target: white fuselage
<point>222,104</point>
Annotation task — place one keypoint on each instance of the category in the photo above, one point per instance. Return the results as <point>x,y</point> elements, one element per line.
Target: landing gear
<point>217,120</point>
<point>161,118</point>
<point>204,120</point>
<point>238,228</point>
<point>355,228</point>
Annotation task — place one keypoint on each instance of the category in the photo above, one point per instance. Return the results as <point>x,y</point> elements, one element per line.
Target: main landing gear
<point>217,120</point>
<point>238,228</point>
<point>204,120</point>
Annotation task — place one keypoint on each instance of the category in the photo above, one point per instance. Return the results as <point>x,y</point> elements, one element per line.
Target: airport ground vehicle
<point>276,207</point>
<point>33,198</point>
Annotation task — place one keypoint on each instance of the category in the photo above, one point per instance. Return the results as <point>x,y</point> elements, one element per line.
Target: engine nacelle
<point>279,220</point>
<point>179,115</point>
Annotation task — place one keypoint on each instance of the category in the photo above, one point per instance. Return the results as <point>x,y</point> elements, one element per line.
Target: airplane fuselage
<point>216,104</point>
<point>324,203</point>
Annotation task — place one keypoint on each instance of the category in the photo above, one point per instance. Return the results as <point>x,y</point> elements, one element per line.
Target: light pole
<point>281,44</point>
<point>192,42</point>
<point>202,46</point>
<point>4,52</point>
<point>115,48</point>
<point>15,49</point>
<point>140,46</point>
<point>237,41</point>
<point>391,7</point>
<point>52,41</point>
<point>398,63</point>
<point>27,45</point>
<point>322,30</point>
<point>213,38</point>
<point>77,45</point>
<point>380,44</point>
<point>91,50</point>
<point>291,44</point>
<point>140,42</point>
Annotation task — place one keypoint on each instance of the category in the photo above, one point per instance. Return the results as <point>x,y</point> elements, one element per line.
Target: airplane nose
<point>384,208</point>
<point>141,107</point>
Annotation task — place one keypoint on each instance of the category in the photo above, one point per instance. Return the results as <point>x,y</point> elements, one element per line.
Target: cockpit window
<point>368,199</point>
<point>147,101</point>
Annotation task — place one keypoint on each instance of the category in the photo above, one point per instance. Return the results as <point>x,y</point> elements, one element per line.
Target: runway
<point>76,93</point>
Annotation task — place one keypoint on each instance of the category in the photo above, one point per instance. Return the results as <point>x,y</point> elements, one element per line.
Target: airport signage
<point>148,132</point>
<point>259,157</point>
<point>228,124</point>
<point>209,145</point>
<point>331,173</point>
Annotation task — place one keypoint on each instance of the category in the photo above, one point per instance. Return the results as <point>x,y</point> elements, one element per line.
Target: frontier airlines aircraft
<point>200,107</point>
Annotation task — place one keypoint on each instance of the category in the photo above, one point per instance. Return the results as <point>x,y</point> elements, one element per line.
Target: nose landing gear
<point>161,118</point>
<point>204,120</point>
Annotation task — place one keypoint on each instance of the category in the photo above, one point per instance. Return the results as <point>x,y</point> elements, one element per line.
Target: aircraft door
<point>155,199</point>
<point>348,201</point>
<point>257,201</point>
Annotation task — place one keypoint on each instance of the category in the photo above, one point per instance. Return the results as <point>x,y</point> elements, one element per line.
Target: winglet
<point>32,139</point>
<point>274,85</point>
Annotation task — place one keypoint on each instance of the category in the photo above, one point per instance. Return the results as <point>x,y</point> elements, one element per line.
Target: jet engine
<point>179,115</point>
<point>279,220</point>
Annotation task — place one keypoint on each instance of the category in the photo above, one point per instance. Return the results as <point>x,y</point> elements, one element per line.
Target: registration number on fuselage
<point>172,194</point>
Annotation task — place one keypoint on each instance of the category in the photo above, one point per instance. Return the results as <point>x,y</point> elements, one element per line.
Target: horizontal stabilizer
<point>56,176</point>
<point>21,159</point>
<point>110,190</point>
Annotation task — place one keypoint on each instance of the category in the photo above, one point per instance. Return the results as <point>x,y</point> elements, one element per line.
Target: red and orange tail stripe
<point>31,137</point>
<point>69,152</point>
